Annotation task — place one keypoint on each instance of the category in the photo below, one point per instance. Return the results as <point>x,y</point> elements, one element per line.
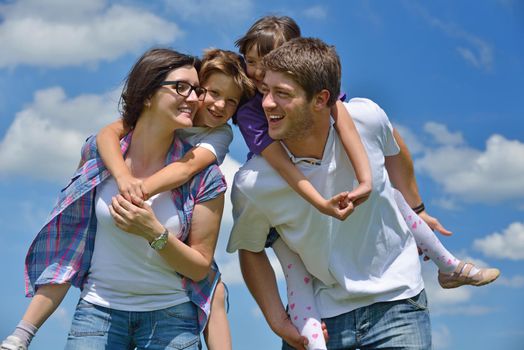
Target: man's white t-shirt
<point>369,257</point>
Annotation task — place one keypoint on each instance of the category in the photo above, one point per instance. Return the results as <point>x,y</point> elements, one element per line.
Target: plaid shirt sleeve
<point>211,183</point>
<point>61,251</point>
<point>206,185</point>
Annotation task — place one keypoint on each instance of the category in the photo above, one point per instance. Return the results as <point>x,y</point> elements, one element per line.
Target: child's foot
<point>13,343</point>
<point>461,276</point>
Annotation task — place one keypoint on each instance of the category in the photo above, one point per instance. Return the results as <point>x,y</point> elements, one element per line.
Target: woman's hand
<point>135,217</point>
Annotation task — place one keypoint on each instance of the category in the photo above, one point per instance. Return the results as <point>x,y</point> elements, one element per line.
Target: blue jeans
<point>401,324</point>
<point>96,327</point>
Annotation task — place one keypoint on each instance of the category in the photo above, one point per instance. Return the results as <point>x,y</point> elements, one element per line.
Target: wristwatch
<point>160,242</point>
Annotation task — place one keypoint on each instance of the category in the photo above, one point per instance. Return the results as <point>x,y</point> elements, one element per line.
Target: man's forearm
<point>402,173</point>
<point>261,282</point>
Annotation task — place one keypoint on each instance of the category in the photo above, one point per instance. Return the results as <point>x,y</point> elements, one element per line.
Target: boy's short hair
<point>228,63</point>
<point>267,33</point>
<point>310,62</point>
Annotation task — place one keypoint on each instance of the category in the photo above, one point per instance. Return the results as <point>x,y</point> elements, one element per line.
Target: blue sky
<point>449,75</point>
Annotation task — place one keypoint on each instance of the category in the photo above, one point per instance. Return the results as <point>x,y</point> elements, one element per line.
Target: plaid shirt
<point>62,250</point>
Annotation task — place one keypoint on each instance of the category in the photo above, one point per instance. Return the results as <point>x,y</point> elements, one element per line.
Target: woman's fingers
<point>120,222</point>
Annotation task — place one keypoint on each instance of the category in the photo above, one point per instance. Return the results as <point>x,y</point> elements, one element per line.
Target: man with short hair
<point>368,287</point>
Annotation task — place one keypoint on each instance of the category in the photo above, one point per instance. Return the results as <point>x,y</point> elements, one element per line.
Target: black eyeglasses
<point>183,88</point>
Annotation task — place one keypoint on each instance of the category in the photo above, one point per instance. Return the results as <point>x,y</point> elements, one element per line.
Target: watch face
<point>160,242</point>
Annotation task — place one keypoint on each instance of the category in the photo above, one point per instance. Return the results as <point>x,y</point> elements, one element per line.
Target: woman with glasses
<point>148,278</point>
<point>227,86</point>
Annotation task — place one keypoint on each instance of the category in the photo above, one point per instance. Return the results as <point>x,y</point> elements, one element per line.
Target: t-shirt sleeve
<point>250,225</point>
<point>378,123</point>
<point>391,147</point>
<point>253,125</point>
<point>217,140</point>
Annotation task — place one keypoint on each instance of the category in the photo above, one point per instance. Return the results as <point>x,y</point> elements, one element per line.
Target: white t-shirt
<point>125,272</point>
<point>217,140</point>
<point>369,257</point>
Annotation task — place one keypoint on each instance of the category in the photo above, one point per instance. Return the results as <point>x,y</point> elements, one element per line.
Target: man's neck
<point>312,143</point>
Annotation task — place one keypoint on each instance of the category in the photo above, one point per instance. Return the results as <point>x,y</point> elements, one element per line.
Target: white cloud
<point>509,244</point>
<point>415,146</point>
<point>513,282</point>
<point>492,175</point>
<point>446,203</point>
<point>231,274</point>
<point>473,49</point>
<point>470,310</point>
<point>62,316</point>
<point>317,12</point>
<point>440,299</point>
<point>442,135</point>
<point>221,12</point>
<point>230,270</point>
<point>479,53</point>
<point>456,301</point>
<point>228,263</point>
<point>70,33</point>
<point>257,313</point>
<point>45,138</point>
<point>441,337</point>
<point>229,167</point>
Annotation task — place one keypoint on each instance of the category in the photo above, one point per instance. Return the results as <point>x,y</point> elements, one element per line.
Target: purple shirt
<point>253,125</point>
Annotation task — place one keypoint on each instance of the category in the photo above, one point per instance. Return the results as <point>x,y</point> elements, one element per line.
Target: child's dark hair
<point>268,33</point>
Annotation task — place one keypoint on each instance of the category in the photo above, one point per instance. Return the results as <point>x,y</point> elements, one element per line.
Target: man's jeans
<point>96,327</point>
<point>402,324</point>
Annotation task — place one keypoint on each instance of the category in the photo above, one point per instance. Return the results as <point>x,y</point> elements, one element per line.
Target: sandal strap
<point>464,273</point>
<point>459,268</point>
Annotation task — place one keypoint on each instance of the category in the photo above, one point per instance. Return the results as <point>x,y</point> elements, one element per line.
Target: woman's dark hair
<point>145,77</point>
<point>268,33</point>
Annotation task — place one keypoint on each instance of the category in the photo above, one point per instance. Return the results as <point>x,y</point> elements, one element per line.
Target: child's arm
<point>355,150</point>
<point>169,177</point>
<point>108,145</point>
<point>253,126</point>
<point>210,146</point>
<point>179,172</point>
<point>46,300</point>
<point>336,206</point>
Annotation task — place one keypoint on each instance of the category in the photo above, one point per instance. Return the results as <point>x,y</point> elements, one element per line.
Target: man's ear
<point>320,100</point>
